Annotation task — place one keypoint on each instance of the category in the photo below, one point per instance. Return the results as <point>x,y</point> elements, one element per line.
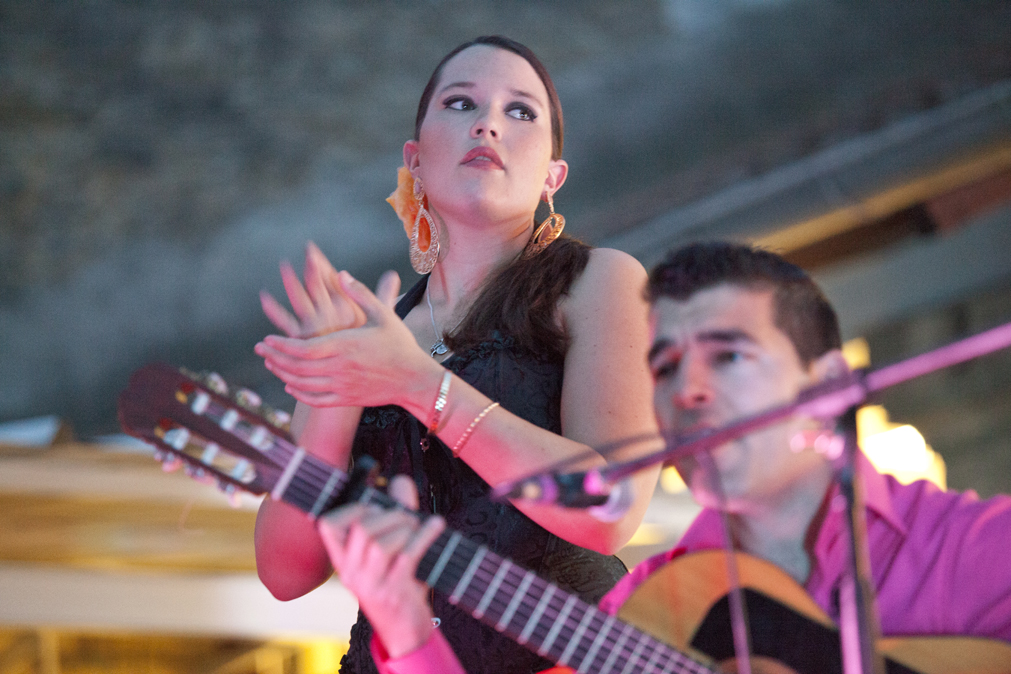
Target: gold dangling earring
<point>423,261</point>
<point>546,232</point>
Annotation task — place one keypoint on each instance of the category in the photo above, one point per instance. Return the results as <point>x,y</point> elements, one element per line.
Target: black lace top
<point>529,387</point>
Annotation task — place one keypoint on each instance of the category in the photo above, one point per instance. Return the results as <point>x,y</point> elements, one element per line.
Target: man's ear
<point>829,365</point>
<point>411,159</point>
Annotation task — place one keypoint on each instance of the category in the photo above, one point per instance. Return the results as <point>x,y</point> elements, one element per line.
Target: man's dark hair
<point>801,310</point>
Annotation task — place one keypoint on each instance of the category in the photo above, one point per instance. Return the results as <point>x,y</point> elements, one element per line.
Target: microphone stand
<point>836,398</point>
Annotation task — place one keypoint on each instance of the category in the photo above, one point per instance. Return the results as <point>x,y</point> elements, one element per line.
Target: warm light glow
<point>857,353</point>
<point>898,450</point>
<point>647,534</point>
<point>671,482</point>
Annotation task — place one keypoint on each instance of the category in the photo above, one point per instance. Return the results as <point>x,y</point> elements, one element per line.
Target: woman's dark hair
<point>557,127</point>
<point>520,301</point>
<point>801,310</point>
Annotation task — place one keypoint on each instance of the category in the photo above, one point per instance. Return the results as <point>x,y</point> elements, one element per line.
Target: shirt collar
<point>877,495</point>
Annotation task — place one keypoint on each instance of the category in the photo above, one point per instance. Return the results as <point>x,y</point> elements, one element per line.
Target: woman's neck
<point>469,255</point>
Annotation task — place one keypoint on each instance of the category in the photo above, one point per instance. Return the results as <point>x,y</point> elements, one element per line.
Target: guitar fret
<point>465,579</point>
<point>557,627</point>
<point>325,494</point>
<point>489,593</point>
<point>601,637</point>
<point>577,635</point>
<point>619,648</point>
<point>514,603</point>
<point>636,654</point>
<point>542,605</point>
<point>440,564</point>
<point>518,603</point>
<point>652,660</point>
<point>289,472</point>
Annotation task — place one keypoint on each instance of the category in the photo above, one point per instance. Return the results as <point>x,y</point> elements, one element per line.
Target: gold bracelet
<point>470,429</point>
<point>440,402</point>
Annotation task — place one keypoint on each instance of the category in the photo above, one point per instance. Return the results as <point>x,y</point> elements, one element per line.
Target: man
<point>736,331</point>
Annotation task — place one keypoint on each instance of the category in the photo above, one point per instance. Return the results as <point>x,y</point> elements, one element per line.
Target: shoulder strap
<point>411,297</point>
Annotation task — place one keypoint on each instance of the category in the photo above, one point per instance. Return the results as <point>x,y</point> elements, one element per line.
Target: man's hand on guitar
<point>376,553</point>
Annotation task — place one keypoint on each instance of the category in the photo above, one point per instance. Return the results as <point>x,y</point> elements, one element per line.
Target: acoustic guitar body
<point>790,633</point>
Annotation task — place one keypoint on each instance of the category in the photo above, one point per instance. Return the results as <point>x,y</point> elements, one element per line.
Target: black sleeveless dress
<point>530,387</point>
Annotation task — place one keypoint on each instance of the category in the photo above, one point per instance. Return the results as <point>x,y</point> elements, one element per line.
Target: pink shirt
<point>941,561</point>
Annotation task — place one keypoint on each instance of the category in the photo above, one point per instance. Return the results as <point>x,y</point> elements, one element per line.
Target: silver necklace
<point>439,348</point>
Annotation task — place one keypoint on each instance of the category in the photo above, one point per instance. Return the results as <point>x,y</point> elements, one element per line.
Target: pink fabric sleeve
<point>433,657</point>
<point>623,589</point>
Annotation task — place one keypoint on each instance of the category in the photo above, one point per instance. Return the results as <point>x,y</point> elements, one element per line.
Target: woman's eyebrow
<point>463,85</point>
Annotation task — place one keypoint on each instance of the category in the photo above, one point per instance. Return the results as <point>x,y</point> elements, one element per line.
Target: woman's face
<point>484,149</point>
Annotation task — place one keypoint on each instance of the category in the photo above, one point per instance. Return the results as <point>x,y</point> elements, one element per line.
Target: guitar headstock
<point>215,430</point>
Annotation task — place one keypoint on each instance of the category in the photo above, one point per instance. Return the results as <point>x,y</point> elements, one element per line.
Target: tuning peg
<point>234,496</point>
<point>216,383</point>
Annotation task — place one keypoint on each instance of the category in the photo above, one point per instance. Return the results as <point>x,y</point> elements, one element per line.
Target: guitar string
<point>313,476</point>
<point>669,656</point>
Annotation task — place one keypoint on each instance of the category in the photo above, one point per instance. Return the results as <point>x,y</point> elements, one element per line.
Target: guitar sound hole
<point>779,633</point>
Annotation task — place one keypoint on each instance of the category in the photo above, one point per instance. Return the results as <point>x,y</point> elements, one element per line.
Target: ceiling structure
<point>157,159</point>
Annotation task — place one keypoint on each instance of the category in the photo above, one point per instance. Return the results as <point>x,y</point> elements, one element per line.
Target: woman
<point>514,353</point>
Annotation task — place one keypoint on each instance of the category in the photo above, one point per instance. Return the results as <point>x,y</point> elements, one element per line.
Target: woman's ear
<point>558,171</point>
<point>411,160</point>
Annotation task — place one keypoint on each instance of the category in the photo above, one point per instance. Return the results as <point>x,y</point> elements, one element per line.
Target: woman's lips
<point>483,158</point>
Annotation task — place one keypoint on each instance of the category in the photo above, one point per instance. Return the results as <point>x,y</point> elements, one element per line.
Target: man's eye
<point>521,112</point>
<point>459,103</point>
<point>727,357</point>
<point>664,370</point>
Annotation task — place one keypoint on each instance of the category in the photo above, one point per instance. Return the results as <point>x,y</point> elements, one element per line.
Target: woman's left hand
<point>376,554</point>
<point>376,363</point>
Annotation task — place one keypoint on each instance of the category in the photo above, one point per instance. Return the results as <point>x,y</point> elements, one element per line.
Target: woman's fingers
<point>278,315</point>
<point>388,288</point>
<point>297,295</point>
<point>375,310</point>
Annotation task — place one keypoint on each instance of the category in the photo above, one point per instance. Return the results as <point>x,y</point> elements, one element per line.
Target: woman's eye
<point>459,103</point>
<point>521,112</point>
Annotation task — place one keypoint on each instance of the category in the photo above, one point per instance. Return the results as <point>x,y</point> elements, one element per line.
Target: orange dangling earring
<point>546,232</point>
<point>423,259</point>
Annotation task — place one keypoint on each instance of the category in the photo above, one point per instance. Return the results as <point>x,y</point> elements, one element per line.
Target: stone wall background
<point>157,159</point>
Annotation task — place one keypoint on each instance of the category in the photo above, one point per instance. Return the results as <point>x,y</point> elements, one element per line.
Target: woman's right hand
<point>376,554</point>
<point>321,306</point>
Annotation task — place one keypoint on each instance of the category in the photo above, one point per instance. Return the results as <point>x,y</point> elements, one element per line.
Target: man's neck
<point>782,530</point>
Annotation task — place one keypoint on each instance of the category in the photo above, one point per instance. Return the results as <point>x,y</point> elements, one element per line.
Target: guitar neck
<point>537,614</point>
<point>202,426</point>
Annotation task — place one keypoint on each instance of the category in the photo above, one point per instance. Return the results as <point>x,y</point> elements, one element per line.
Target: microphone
<point>589,490</point>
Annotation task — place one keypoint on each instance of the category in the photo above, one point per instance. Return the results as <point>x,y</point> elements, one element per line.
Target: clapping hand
<point>321,306</point>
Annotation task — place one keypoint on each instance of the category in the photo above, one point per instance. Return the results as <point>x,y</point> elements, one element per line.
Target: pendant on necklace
<point>438,349</point>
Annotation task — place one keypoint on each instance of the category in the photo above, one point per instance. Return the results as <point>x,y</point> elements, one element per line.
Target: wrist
<point>421,391</point>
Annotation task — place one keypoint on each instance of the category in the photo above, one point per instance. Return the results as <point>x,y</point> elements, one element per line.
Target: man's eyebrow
<point>658,347</point>
<point>709,336</point>
<point>724,336</point>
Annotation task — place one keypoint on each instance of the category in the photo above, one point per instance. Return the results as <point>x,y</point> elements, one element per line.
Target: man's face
<point>715,358</point>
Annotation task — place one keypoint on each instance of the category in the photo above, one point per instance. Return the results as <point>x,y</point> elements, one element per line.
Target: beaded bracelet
<point>470,429</point>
